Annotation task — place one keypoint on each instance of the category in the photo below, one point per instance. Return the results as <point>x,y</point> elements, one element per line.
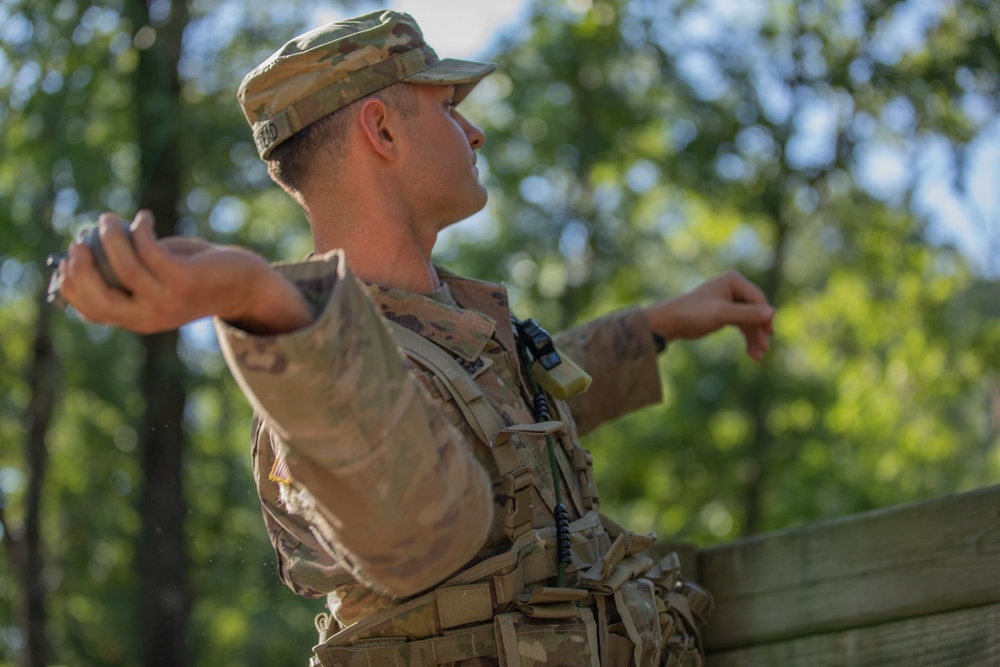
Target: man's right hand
<point>176,280</point>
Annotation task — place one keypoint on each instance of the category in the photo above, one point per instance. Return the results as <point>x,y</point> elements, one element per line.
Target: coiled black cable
<point>540,408</point>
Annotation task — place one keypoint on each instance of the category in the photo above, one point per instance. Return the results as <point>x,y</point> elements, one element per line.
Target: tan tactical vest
<point>622,608</point>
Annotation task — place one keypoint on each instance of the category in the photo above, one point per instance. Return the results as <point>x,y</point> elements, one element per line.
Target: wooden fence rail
<point>915,585</point>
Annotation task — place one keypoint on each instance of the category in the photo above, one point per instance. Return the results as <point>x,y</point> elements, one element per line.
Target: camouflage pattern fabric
<point>528,643</point>
<point>339,408</point>
<point>373,486</point>
<point>637,607</point>
<point>326,69</point>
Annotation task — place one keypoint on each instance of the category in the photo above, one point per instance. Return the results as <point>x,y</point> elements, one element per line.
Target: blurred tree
<point>164,601</point>
<point>639,147</point>
<point>39,186</point>
<point>24,548</point>
<point>635,148</point>
<point>93,120</point>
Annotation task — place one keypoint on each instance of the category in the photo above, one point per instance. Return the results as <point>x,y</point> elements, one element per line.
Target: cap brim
<point>463,74</point>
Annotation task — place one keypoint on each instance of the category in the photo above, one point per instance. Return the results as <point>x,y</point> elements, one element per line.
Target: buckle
<point>519,511</point>
<point>583,463</point>
<point>517,480</point>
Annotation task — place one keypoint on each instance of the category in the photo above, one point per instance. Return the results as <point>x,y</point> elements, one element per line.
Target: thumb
<point>147,245</point>
<point>746,313</point>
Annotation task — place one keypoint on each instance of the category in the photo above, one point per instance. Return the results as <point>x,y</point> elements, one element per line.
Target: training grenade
<point>90,237</point>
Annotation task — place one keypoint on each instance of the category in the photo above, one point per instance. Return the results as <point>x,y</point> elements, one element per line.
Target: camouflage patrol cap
<point>327,68</point>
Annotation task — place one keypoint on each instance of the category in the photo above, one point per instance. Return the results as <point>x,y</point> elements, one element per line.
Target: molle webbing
<point>485,421</point>
<point>459,619</point>
<point>485,589</point>
<point>474,642</point>
<point>456,621</point>
<point>469,398</point>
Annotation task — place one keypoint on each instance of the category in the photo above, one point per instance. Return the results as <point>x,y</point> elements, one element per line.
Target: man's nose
<point>476,136</point>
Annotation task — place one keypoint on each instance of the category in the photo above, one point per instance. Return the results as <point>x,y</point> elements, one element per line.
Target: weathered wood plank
<point>901,562</point>
<point>964,638</point>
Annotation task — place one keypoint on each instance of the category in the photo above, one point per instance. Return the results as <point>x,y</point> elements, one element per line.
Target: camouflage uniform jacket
<point>372,484</point>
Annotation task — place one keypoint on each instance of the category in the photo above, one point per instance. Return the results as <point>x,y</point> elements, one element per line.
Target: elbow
<point>435,548</point>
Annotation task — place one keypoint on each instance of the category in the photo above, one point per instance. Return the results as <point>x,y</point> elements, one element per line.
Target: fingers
<point>751,312</point>
<point>85,288</point>
<point>745,313</point>
<point>742,289</point>
<point>757,336</point>
<point>131,273</point>
<point>148,248</point>
<point>102,300</point>
<point>757,342</point>
<point>746,306</point>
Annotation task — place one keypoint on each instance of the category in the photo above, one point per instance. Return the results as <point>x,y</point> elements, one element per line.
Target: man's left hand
<point>724,300</point>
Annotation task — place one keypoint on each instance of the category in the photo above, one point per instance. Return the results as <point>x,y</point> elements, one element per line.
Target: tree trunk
<point>165,603</point>
<point>44,384</point>
<point>761,395</point>
<point>24,545</point>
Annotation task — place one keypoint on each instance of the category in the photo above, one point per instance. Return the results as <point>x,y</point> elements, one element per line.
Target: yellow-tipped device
<point>564,380</point>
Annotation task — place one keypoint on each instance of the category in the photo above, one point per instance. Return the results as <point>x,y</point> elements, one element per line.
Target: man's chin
<point>468,213</point>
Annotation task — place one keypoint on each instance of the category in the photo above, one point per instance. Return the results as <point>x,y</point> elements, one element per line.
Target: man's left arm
<point>619,350</point>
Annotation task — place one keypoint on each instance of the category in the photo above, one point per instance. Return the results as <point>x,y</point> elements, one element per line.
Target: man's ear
<point>378,127</point>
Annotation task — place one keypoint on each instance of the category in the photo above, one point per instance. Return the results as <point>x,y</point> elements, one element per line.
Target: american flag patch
<point>279,472</point>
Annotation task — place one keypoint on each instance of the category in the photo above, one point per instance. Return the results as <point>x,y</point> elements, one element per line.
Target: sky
<point>455,28</point>
<point>469,29</point>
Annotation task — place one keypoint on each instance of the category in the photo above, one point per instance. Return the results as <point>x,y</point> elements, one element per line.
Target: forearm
<point>273,306</point>
<point>124,276</point>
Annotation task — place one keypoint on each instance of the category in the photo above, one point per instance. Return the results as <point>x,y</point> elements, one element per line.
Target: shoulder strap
<point>518,478</point>
<point>481,416</point>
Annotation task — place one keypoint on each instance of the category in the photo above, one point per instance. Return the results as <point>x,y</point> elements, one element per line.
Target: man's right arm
<point>384,479</point>
<point>177,280</point>
<point>388,482</point>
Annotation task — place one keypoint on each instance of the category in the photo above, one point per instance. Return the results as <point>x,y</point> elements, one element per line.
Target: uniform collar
<point>464,331</point>
<point>485,298</point>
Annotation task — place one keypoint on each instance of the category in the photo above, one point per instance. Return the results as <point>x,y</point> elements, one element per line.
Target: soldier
<point>408,465</point>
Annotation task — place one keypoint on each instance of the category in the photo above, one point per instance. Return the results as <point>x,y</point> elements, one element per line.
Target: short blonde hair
<point>323,144</point>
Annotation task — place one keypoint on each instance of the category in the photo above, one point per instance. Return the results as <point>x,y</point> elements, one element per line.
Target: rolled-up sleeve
<point>383,478</point>
<point>618,351</point>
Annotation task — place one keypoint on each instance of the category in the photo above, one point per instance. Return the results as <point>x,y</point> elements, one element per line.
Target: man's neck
<point>418,278</point>
<point>386,238</point>
<point>381,252</point>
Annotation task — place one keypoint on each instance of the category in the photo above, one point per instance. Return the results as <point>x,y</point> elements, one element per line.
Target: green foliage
<point>638,148</point>
<point>635,148</point>
<point>68,116</point>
